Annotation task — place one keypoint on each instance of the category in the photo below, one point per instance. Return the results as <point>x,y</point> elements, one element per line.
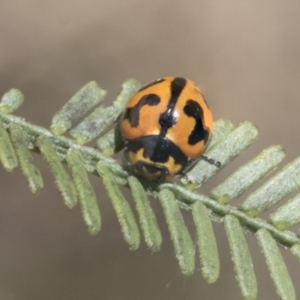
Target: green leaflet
<point>279,186</point>
<point>8,156</point>
<point>85,191</point>
<point>183,245</point>
<point>88,97</point>
<point>63,180</point>
<point>146,215</point>
<point>276,265</point>
<point>99,120</point>
<point>241,257</point>
<point>122,209</point>
<point>28,167</point>
<point>287,215</point>
<point>248,174</point>
<point>208,250</point>
<point>11,101</point>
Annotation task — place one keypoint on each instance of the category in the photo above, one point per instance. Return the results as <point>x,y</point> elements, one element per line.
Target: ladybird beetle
<point>166,125</point>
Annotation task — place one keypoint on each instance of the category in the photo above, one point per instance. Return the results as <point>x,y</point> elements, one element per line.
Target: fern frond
<point>18,138</point>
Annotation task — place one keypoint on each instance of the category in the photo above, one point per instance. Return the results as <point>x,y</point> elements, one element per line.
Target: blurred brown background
<point>245,57</point>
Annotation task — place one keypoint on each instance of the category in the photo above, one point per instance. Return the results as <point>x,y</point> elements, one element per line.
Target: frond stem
<point>62,144</point>
<point>286,238</point>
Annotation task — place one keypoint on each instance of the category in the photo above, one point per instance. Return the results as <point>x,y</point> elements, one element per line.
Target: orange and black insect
<point>166,126</point>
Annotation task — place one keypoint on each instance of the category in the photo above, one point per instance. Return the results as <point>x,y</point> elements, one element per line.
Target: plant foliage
<point>18,138</point>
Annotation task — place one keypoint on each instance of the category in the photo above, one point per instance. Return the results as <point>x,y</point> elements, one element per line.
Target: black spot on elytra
<point>133,113</point>
<point>158,149</point>
<point>167,119</point>
<point>199,133</point>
